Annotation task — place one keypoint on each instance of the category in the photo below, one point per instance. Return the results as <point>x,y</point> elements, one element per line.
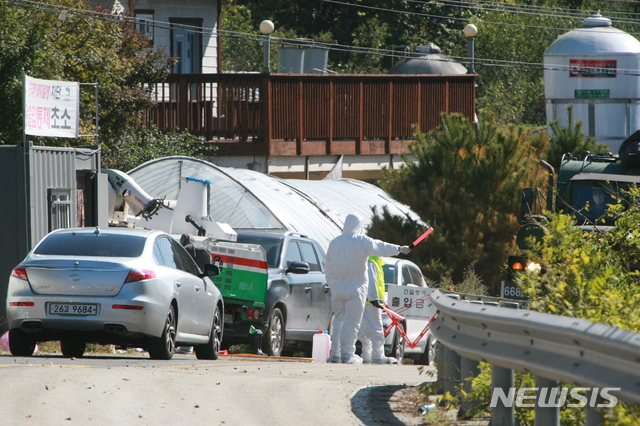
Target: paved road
<point>244,391</point>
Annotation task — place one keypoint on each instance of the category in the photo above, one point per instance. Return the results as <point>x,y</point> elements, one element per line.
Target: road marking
<point>44,365</point>
<point>212,365</point>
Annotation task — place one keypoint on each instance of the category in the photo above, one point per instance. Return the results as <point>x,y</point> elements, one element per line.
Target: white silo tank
<point>596,69</point>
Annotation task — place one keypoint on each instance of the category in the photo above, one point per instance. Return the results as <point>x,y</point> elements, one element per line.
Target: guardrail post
<point>441,354</point>
<point>501,415</point>
<point>594,416</point>
<point>451,371</point>
<point>470,369</point>
<point>547,413</point>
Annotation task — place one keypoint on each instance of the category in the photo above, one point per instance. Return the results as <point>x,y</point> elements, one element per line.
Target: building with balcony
<point>290,124</point>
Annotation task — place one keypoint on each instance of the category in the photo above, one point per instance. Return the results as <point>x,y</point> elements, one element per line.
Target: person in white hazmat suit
<point>371,333</point>
<point>346,271</point>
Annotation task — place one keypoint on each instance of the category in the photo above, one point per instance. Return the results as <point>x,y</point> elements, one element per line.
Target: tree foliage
<point>373,24</point>
<point>134,147</point>
<point>239,53</point>
<point>465,183</point>
<point>570,140</point>
<point>79,45</point>
<point>590,275</point>
<point>509,51</point>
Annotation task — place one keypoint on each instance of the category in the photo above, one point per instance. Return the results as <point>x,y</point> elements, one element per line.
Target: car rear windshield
<point>272,246</point>
<point>90,244</point>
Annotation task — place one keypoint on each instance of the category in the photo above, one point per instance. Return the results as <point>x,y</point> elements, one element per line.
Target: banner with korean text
<point>51,108</point>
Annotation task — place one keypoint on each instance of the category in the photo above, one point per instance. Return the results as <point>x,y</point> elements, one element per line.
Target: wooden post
<point>183,104</point>
<point>300,137</point>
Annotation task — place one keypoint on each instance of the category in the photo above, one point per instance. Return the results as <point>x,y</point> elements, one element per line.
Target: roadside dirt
<point>405,402</point>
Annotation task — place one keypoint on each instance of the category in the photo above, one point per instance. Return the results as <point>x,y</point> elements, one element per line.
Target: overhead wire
<point>288,42</point>
<point>543,13</point>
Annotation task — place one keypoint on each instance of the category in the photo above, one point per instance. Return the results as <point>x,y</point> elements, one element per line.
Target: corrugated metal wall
<point>50,168</point>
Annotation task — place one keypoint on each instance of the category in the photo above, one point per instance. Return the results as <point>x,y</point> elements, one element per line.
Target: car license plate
<point>78,309</point>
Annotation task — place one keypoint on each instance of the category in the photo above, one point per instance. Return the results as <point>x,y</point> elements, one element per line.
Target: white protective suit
<point>346,269</point>
<point>371,334</point>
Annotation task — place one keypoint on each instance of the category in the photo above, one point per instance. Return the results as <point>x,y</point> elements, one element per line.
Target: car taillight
<point>20,273</point>
<point>129,307</point>
<point>21,304</point>
<point>139,275</point>
<point>252,313</point>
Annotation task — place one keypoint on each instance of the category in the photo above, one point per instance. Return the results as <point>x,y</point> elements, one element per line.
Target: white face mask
<point>598,198</point>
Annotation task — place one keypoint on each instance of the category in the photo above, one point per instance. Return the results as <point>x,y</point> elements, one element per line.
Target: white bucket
<point>321,346</point>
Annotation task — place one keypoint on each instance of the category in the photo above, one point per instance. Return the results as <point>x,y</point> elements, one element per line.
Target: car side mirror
<point>211,270</point>
<point>297,267</point>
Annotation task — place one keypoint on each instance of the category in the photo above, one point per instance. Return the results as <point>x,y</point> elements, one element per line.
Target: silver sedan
<point>128,287</point>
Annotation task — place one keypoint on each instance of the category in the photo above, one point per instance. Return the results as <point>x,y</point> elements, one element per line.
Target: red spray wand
<point>420,238</point>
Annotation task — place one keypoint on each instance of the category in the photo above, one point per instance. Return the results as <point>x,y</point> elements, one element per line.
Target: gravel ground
<point>404,402</point>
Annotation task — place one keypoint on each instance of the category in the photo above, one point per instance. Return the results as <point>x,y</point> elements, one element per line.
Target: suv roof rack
<point>295,234</point>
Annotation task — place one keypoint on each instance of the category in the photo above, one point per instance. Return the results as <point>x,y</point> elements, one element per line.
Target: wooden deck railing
<point>283,114</point>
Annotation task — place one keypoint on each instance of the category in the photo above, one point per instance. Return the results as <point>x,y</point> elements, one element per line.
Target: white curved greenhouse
<point>246,199</point>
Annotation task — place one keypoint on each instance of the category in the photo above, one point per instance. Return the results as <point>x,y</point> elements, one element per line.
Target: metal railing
<point>553,348</point>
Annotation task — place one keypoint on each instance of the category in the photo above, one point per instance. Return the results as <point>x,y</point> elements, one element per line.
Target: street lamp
<point>266,28</point>
<point>470,32</point>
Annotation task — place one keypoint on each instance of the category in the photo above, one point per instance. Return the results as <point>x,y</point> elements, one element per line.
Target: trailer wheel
<point>273,340</point>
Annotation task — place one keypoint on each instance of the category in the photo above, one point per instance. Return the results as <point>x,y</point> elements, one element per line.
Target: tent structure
<point>248,200</point>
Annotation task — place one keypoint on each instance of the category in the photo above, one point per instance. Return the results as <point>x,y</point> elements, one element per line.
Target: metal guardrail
<point>562,349</point>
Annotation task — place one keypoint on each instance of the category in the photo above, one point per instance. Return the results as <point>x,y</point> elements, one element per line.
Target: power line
<point>117,18</point>
<point>511,7</point>
<point>543,13</point>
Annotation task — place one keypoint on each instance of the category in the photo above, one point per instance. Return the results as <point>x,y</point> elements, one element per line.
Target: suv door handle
<point>307,289</point>
<point>326,287</point>
<point>178,284</point>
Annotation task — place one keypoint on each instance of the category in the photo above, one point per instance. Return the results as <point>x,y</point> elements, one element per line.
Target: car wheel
<point>428,357</point>
<point>212,349</point>
<point>72,348</point>
<point>397,350</point>
<point>21,344</point>
<point>162,347</point>
<point>273,340</point>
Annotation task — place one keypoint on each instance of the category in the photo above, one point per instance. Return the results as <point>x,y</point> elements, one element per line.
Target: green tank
<point>584,187</point>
